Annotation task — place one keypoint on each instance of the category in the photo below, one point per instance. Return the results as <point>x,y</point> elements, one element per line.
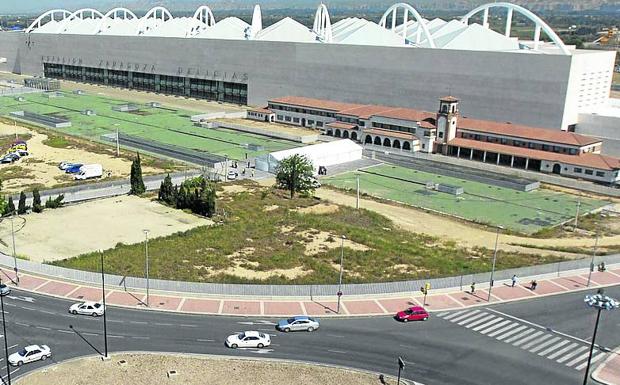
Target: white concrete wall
<point>569,170</point>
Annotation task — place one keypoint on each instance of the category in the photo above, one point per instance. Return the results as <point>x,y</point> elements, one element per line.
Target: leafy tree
<point>54,203</point>
<point>36,201</point>
<point>166,191</point>
<point>135,178</point>
<point>295,174</point>
<point>21,205</point>
<point>9,209</point>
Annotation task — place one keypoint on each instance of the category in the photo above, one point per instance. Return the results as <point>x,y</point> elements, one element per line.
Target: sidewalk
<point>608,372</point>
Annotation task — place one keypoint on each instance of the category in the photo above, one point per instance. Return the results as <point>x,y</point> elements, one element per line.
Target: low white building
<point>324,154</point>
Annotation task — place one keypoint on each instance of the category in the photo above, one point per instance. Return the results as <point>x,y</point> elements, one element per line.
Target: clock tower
<point>447,118</point>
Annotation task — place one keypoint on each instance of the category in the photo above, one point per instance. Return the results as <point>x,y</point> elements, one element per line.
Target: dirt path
<point>418,221</point>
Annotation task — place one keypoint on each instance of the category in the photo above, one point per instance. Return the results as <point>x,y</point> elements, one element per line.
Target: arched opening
<point>330,133</point>
<point>557,168</point>
<point>337,135</point>
<point>345,134</point>
<point>386,142</point>
<point>368,139</point>
<point>354,135</point>
<point>396,143</point>
<point>406,146</point>
<point>377,140</point>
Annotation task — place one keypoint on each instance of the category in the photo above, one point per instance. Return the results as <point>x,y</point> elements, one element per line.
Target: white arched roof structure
<point>117,12</point>
<point>511,8</point>
<point>79,14</point>
<point>52,15</point>
<point>156,13</point>
<point>257,23</point>
<point>322,24</point>
<point>205,15</point>
<point>407,9</point>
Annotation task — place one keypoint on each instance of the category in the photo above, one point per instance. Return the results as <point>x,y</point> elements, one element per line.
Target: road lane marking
<point>571,354</point>
<point>494,327</point>
<point>523,333</point>
<point>545,344</point>
<point>511,327</point>
<point>594,359</point>
<point>336,351</point>
<point>64,331</point>
<point>22,324</point>
<point>47,312</point>
<point>140,338</point>
<point>452,315</point>
<point>562,351</point>
<point>115,336</point>
<point>479,321</point>
<point>12,346</point>
<point>90,334</point>
<point>189,326</point>
<point>523,340</point>
<point>138,322</point>
<point>203,340</point>
<point>162,324</point>
<point>580,358</point>
<point>491,322</point>
<point>466,319</point>
<point>461,315</point>
<point>43,328</point>
<point>554,347</point>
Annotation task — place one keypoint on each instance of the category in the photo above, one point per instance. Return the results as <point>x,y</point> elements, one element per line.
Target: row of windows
<point>519,143</point>
<point>175,85</point>
<point>272,106</point>
<point>393,127</point>
<point>578,170</point>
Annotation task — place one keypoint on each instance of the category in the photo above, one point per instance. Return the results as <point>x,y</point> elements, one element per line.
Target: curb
<point>21,377</point>
<point>596,373</point>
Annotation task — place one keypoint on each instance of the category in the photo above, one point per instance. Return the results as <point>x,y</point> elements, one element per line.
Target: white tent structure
<point>324,154</point>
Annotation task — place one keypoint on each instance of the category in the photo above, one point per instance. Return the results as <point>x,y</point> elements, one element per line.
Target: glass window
<point>589,172</point>
<point>600,174</point>
<point>577,170</point>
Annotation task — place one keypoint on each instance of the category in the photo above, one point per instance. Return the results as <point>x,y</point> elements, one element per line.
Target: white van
<point>89,171</point>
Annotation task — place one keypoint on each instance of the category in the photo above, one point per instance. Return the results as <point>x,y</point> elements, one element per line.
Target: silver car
<point>4,289</point>
<point>299,323</point>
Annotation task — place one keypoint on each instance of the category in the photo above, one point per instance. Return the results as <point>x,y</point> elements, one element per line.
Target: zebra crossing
<point>536,340</point>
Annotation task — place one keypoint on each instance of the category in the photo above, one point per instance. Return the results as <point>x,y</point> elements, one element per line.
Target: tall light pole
<point>14,253</point>
<point>105,310</point>
<point>592,261</point>
<point>6,344</point>
<point>494,259</point>
<point>357,202</point>
<point>146,254</point>
<point>340,278</point>
<point>600,302</point>
<point>118,146</point>
<point>577,215</point>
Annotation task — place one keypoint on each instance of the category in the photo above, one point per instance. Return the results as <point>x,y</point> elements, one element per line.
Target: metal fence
<point>300,290</point>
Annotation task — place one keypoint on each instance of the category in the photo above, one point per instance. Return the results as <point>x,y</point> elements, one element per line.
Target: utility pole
<point>14,253</point>
<point>340,279</point>
<point>118,146</point>
<point>401,367</point>
<point>6,344</point>
<point>577,215</point>
<point>357,202</point>
<point>146,252</point>
<point>494,259</point>
<point>592,261</point>
<point>105,310</point>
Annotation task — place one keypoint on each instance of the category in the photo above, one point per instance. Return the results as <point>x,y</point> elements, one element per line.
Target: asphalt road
<point>436,352</point>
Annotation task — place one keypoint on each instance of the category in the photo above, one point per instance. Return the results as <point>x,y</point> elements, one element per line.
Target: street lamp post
<point>105,310</point>
<point>6,344</point>
<point>340,278</point>
<point>146,254</point>
<point>600,302</point>
<point>401,367</point>
<point>14,253</point>
<point>592,261</point>
<point>494,259</point>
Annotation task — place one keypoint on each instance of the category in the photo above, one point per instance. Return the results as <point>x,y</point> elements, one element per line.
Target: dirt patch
<point>147,369</point>
<point>320,241</point>
<point>40,167</point>
<point>86,227</point>
<point>319,209</point>
<point>234,189</point>
<point>271,208</point>
<point>244,272</point>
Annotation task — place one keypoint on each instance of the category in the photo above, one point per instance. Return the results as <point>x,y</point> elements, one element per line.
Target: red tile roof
<point>315,103</point>
<point>449,99</point>
<point>526,132</point>
<point>407,114</point>
<point>391,134</point>
<point>347,126</point>
<point>262,110</point>
<point>365,111</point>
<point>597,161</point>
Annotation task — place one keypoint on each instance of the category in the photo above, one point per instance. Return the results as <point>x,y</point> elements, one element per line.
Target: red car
<point>415,313</point>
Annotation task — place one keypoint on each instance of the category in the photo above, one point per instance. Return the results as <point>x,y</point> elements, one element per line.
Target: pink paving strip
<point>572,283</point>
<point>29,282</point>
<point>610,371</point>
<point>363,307</point>
<point>282,308</point>
<point>201,306</point>
<point>87,294</point>
<point>163,302</point>
<point>439,302</point>
<point>547,287</point>
<point>479,297</point>
<point>57,288</point>
<point>397,304</point>
<point>321,308</point>
<point>125,298</point>
<point>504,292</point>
<point>8,275</point>
<point>603,278</point>
<point>241,307</point>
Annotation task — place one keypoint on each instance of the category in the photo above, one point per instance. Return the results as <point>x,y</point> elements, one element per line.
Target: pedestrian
<point>533,285</point>
<point>473,287</point>
<point>514,280</point>
<point>243,172</point>
<point>252,173</point>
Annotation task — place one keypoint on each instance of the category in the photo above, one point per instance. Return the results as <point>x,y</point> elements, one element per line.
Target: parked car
<point>89,171</point>
<point>9,158</point>
<point>232,175</point>
<point>63,165</point>
<point>415,313</point>
<point>30,354</point>
<point>299,323</point>
<point>21,152</point>
<point>4,289</point>
<point>249,339</point>
<point>87,308</point>
<point>74,168</point>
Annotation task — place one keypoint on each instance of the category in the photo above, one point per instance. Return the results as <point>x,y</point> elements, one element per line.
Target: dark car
<point>75,168</point>
<point>9,158</point>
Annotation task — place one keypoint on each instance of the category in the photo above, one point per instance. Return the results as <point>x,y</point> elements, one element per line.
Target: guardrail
<point>223,289</point>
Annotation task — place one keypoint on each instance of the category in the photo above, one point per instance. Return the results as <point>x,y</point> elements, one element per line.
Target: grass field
<point>163,124</point>
<point>265,232</point>
<point>524,212</point>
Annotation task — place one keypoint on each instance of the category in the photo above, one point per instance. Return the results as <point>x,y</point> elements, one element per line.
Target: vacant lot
<point>147,369</point>
<point>86,227</point>
<point>524,212</point>
<point>164,124</point>
<point>261,236</point>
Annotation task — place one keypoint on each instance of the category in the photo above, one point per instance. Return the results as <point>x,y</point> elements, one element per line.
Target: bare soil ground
<point>275,127</point>
<point>86,227</point>
<point>148,369</point>
<point>40,168</point>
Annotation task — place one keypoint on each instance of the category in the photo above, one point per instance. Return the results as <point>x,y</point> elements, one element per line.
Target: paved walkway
<point>609,371</point>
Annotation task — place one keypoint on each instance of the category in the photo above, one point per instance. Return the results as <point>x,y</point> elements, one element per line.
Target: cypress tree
<point>36,201</point>
<point>10,207</point>
<point>21,206</point>
<point>135,178</point>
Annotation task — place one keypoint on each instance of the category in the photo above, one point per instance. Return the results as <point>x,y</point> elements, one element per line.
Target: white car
<point>232,175</point>
<point>249,339</point>
<point>87,308</point>
<point>30,354</point>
